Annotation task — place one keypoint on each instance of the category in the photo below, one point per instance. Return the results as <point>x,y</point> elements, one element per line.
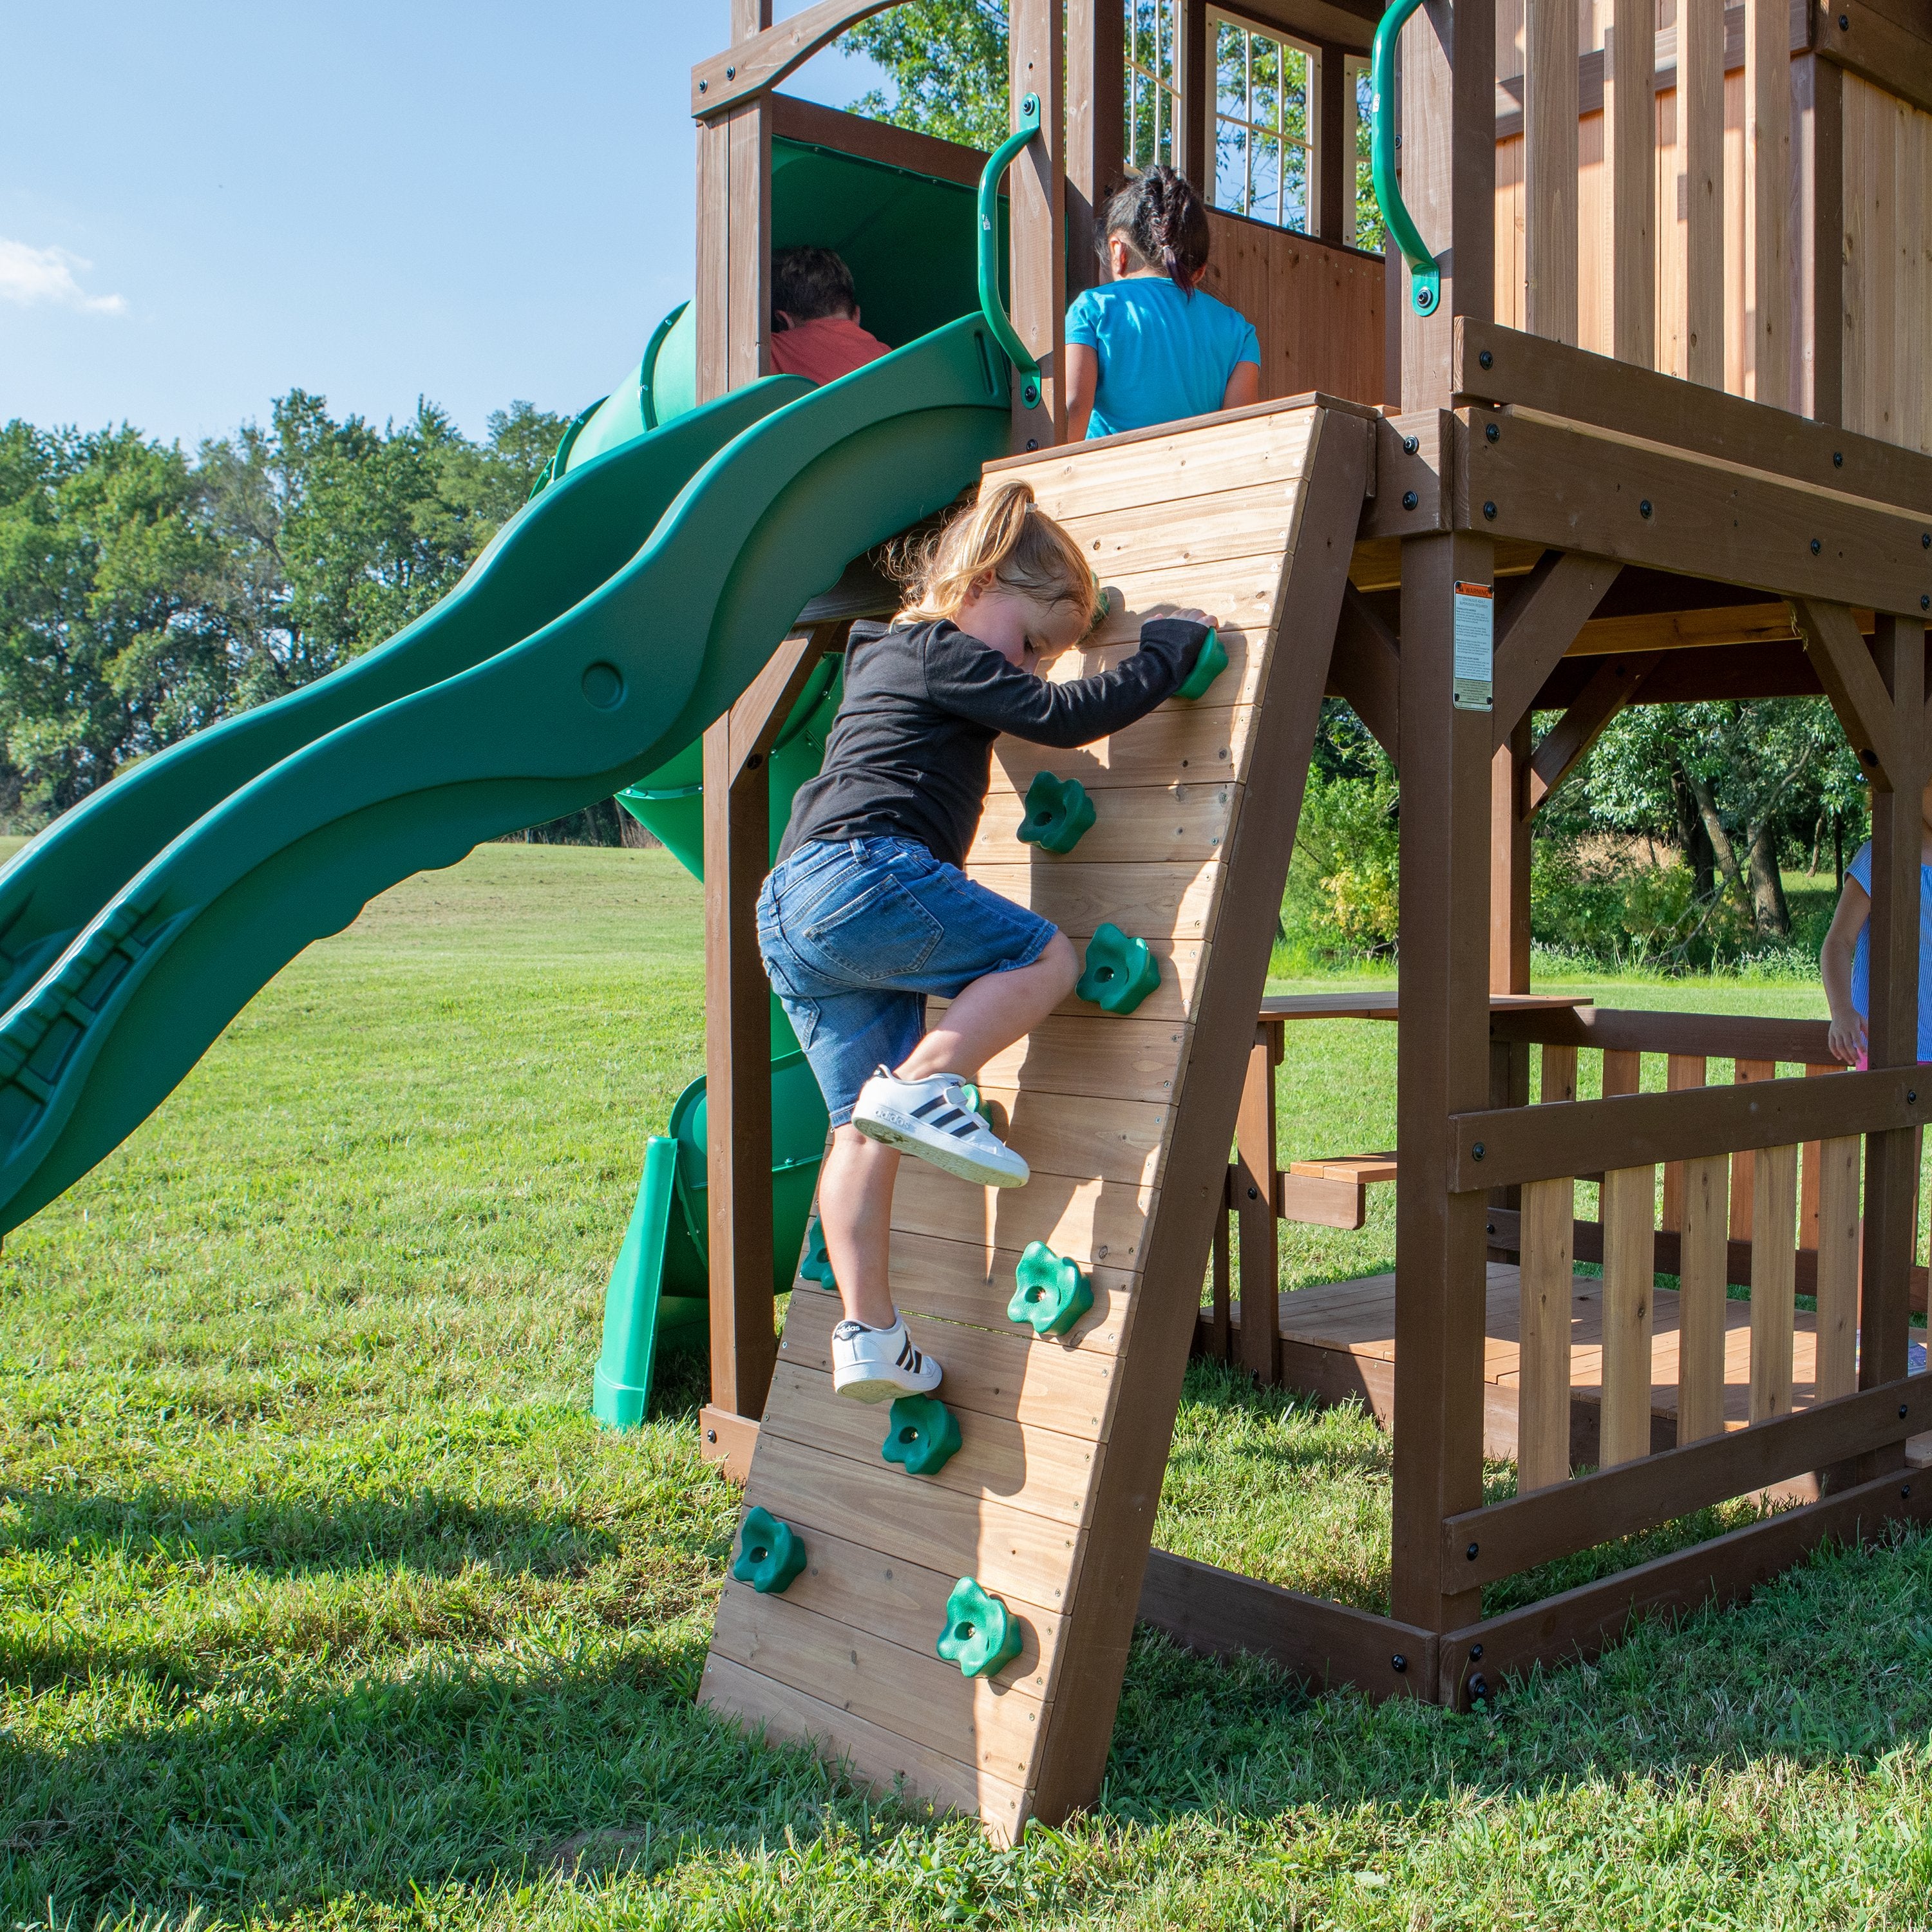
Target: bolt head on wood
<point>1409,499</point>
<point>1489,512</point>
<point>1486,359</point>
<point>1471,1551</point>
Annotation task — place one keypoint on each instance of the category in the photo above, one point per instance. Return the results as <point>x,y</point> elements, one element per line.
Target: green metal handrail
<point>1425,278</point>
<point>991,307</point>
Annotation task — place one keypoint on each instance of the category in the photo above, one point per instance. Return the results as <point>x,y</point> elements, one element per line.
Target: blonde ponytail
<point>1003,533</point>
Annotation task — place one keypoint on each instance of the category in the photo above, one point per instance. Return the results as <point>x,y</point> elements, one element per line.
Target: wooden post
<point>1442,1069</point>
<point>1254,1203</point>
<point>1509,863</point>
<point>734,233</point>
<point>1335,217</point>
<point>1820,106</point>
<point>738,1042</point>
<point>1194,73</point>
<point>1630,142</point>
<point>1039,205</point>
<point>1095,116</point>
<point>1700,121</point>
<point>1891,1158</point>
<point>1548,1269</point>
<point>1448,170</point>
<point>1767,199</point>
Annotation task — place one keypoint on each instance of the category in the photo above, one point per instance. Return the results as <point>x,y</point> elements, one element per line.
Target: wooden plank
<point>1743,1172</point>
<point>1821,176</point>
<point>1361,1169</point>
<point>1036,182</point>
<point>904,1604</point>
<point>1084,1138</point>
<point>1614,684</point>
<point>1540,623</point>
<point>1525,371</point>
<point>1550,169</point>
<point>1643,1128</point>
<point>1220,1290</point>
<point>1170,823</point>
<point>1838,653</point>
<point>1013,1553</point>
<point>1868,42</point>
<point>1767,190</point>
<point>1148,899</point>
<point>991,1726</point>
<point>1582,1621</point>
<point>867,1754</point>
<point>1365,670</point>
<point>1102,1056</point>
<point>1322,1203</point>
<point>1252,1187</point>
<point>1576,488</point>
<point>1095,117</point>
<point>1194,747</point>
<point>1510,930</point>
<point>1700,110</point>
<point>1107,1585</point>
<point>1837,1279</point>
<point>726,1440</point>
<point>1234,525</point>
<point>1009,1377</point>
<point>712,299</point>
<point>1773,1235</point>
<point>1217,1613</point>
<point>748,355</point>
<point>1682,1072</point>
<point>1519,1534</point>
<point>1627,1197</point>
<point>1039,1470</point>
<point>1543,1426</point>
<point>748,68</point>
<point>961,1281</point>
<point>1701,1298</point>
<point>1629,140</point>
<point>1722,1036</point>
<point>1106,1220</point>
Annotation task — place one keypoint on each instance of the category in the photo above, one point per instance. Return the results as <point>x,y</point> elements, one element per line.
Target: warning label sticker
<point>1474,688</point>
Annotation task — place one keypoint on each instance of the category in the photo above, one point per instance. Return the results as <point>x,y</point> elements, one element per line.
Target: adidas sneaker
<point>935,1119</point>
<point>876,1364</point>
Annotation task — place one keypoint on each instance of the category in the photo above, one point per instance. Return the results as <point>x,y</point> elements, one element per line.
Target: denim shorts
<point>855,935</point>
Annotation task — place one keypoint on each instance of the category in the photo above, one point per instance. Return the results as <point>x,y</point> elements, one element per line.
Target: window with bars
<point>1154,82</point>
<point>1267,87</point>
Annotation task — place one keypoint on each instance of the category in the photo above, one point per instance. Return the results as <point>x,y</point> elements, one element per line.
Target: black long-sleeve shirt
<point>910,752</point>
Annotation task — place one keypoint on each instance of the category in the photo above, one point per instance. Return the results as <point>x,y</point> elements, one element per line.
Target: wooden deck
<point>1338,1341</point>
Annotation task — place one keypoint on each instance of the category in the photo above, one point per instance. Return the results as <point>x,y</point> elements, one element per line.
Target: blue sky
<point>206,203</point>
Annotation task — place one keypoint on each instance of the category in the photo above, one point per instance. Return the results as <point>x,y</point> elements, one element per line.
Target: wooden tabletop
<point>1381,1005</point>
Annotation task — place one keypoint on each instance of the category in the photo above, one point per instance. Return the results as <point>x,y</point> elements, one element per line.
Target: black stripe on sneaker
<point>966,1130</point>
<point>908,1354</point>
<point>946,1119</point>
<point>920,1112</point>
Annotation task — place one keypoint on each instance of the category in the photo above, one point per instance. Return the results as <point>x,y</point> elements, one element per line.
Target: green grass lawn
<point>324,1603</point>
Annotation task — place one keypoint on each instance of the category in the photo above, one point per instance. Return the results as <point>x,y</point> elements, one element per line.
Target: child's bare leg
<point>990,1014</point>
<point>855,1213</point>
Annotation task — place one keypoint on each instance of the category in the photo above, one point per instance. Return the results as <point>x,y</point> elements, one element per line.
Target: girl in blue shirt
<point>1845,961</point>
<point>1151,346</point>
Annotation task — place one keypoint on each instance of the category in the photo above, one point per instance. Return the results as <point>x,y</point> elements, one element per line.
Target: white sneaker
<point>934,1118</point>
<point>876,1364</point>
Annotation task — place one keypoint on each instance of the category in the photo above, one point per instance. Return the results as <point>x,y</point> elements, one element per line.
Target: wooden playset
<point>1652,424</point>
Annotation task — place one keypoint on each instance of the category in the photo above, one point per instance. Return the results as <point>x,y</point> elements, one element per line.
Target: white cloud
<point>28,275</point>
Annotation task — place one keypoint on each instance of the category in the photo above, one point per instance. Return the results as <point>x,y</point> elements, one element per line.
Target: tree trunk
<point>1692,836</point>
<point>1714,830</point>
<point>1770,913</point>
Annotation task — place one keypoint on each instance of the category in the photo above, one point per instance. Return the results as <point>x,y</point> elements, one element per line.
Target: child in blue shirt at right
<point>1152,346</point>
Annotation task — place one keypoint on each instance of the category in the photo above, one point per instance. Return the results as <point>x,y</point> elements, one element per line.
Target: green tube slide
<point>284,844</point>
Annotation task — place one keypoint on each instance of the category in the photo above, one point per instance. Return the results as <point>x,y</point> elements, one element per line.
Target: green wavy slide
<point>613,620</point>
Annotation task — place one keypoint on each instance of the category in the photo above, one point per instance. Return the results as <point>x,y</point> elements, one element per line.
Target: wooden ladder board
<point>1125,1122</point>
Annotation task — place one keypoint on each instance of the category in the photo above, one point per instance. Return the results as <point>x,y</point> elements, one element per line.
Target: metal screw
<point>1490,1228</point>
<point>1838,459</point>
<point>1492,433</point>
<point>1398,1662</point>
<point>1475,1653</point>
<point>1925,540</point>
<point>1925,603</point>
<point>1479,1689</point>
<point>1643,508</point>
<point>1815,546</point>
<point>730,74</point>
<point>1901,1412</point>
<point>757,759</point>
<point>1409,499</point>
<point>1033,442</point>
<point>1844,23</point>
<point>703,85</point>
<point>1905,1492</point>
<point>1489,511</point>
<point>1911,1096</point>
<point>1486,359</point>
<point>1471,1551</point>
<point>1254,1194</point>
<point>1477,1150</point>
<point>1410,445</point>
<point>711,1436</point>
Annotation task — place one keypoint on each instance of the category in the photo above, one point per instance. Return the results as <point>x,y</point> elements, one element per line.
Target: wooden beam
<point>1411,456</point>
<point>1539,624</point>
<point>1567,743</point>
<point>1866,41</point>
<point>1366,671</point>
<point>1037,65</point>
<point>1335,167</point>
<point>1567,487</point>
<point>1550,169</point>
<point>1843,661</point>
<point>1700,121</point>
<point>1443,1067</point>
<point>1639,1029</point>
<point>1499,365</point>
<point>1640,1129</point>
<point>1769,361</point>
<point>1819,102</point>
<point>1096,116</point>
<point>748,68</point>
<point>1530,1529</point>
<point>1217,1613</point>
<point>1509,863</point>
<point>1581,1622</point>
<point>1195,80</point>
<point>1097,1628</point>
<point>1253,1188</point>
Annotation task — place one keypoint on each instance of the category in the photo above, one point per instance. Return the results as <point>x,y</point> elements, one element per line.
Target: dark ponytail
<point>1164,223</point>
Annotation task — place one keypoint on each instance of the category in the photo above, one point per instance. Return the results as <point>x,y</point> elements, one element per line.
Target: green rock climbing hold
<point>770,1553</point>
<point>1208,666</point>
<point>922,1433</point>
<point>1053,1292</point>
<point>817,1266</point>
<point>981,1636</point>
<point>1119,972</point>
<point>1058,813</point>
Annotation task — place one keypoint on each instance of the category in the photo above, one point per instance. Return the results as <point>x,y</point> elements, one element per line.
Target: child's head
<point>808,284</point>
<point>1163,225</point>
<point>1002,542</point>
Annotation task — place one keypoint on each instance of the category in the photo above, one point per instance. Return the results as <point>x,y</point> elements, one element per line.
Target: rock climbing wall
<point>1043,1489</point>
